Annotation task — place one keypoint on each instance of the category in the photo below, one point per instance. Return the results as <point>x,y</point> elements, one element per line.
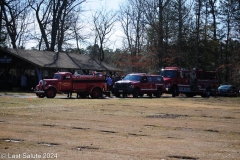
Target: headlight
<point>43,84</point>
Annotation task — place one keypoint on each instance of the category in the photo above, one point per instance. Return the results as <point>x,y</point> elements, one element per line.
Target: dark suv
<point>139,84</point>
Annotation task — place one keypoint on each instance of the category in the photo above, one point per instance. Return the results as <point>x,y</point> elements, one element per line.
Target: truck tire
<point>207,93</point>
<point>51,93</point>
<point>159,93</point>
<point>174,91</point>
<point>136,93</point>
<point>40,95</point>
<point>96,93</point>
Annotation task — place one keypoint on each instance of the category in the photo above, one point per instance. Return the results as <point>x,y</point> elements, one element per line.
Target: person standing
<point>109,83</point>
<point>23,82</point>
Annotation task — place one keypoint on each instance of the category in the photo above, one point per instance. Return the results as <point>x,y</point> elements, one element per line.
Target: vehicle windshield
<point>132,78</point>
<point>57,76</point>
<point>158,79</point>
<point>224,87</point>
<point>168,73</point>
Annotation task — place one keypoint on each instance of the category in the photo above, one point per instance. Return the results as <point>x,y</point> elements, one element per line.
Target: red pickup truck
<point>65,82</point>
<point>139,84</point>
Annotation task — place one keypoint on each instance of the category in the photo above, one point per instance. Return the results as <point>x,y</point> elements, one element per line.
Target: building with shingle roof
<point>51,62</point>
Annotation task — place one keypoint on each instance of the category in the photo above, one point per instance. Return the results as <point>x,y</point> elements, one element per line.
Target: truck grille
<point>122,85</point>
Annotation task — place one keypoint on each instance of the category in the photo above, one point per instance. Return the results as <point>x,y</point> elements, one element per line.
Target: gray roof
<point>47,59</point>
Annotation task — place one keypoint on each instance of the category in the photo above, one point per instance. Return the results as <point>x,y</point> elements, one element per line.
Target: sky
<point>90,6</point>
<point>115,40</point>
<point>96,4</point>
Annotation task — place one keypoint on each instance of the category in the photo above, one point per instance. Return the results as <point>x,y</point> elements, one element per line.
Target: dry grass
<point>144,128</point>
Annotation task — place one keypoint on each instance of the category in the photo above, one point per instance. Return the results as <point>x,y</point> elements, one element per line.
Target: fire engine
<point>65,82</point>
<point>190,82</point>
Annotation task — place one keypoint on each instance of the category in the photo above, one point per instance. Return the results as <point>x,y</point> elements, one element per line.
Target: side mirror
<point>144,80</point>
<point>68,77</point>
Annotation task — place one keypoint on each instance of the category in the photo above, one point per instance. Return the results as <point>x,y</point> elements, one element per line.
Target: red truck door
<point>150,85</point>
<point>186,78</point>
<point>184,81</point>
<point>66,84</point>
<point>144,84</point>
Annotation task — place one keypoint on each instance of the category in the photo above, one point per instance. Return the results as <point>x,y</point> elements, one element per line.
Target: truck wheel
<point>51,93</point>
<point>136,93</point>
<point>40,95</point>
<point>96,93</point>
<point>159,93</point>
<point>207,93</point>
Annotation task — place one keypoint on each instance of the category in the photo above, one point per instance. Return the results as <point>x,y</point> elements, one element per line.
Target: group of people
<point>110,81</point>
<point>21,82</point>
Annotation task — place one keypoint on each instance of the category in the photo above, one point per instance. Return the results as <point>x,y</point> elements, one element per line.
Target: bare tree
<point>132,22</point>
<point>14,17</point>
<point>76,28</point>
<point>103,26</point>
<point>3,34</point>
<point>54,19</point>
<point>198,9</point>
<point>229,10</point>
<point>183,8</point>
<point>214,12</point>
<point>153,11</point>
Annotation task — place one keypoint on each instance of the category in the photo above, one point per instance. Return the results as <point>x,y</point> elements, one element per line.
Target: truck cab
<point>139,84</point>
<point>64,80</point>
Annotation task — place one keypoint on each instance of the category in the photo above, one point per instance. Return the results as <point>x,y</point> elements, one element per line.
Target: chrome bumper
<point>39,91</point>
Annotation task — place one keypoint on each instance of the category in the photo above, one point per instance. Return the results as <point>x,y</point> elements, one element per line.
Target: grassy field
<point>119,128</point>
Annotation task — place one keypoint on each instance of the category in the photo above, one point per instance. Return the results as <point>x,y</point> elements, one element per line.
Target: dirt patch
<point>48,144</point>
<point>81,148</point>
<point>48,125</point>
<point>166,115</point>
<point>183,157</point>
<point>104,131</point>
<point>80,128</point>
<point>121,128</point>
<point>12,140</point>
<point>210,130</point>
<point>138,135</point>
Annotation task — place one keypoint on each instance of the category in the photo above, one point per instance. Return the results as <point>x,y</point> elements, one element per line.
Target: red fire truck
<point>190,82</point>
<point>65,82</point>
